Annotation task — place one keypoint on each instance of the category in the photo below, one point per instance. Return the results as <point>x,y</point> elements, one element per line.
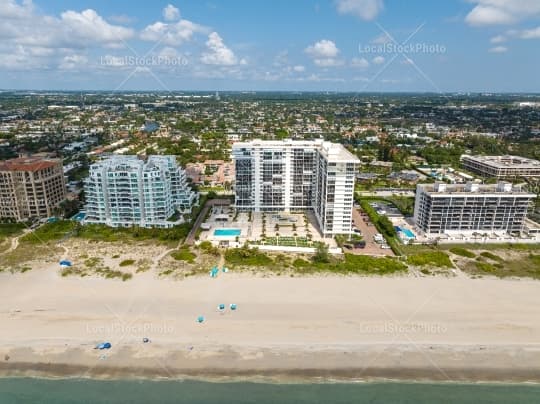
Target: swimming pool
<point>227,232</point>
<point>408,233</point>
<point>79,216</point>
<point>405,231</point>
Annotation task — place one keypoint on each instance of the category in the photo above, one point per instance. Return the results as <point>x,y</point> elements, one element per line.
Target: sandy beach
<point>436,328</point>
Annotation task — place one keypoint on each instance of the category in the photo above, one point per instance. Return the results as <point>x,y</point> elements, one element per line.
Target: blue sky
<point>334,45</point>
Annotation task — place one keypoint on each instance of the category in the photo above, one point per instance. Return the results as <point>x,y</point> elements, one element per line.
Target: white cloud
<point>73,62</point>
<point>20,25</point>
<point>30,39</point>
<point>322,49</point>
<point>328,62</point>
<point>530,33</point>
<point>218,53</point>
<point>324,53</point>
<point>382,39</point>
<point>171,13</point>
<point>498,39</point>
<point>498,49</point>
<point>361,63</point>
<point>364,9</point>
<point>12,9</point>
<point>499,12</point>
<point>378,60</point>
<point>299,68</point>
<point>88,26</point>
<point>172,34</point>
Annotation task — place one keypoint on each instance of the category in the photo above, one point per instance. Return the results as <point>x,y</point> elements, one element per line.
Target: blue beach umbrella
<point>221,307</point>
<point>200,319</point>
<point>233,306</point>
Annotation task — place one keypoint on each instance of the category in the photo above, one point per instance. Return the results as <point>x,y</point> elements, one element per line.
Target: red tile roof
<point>27,164</point>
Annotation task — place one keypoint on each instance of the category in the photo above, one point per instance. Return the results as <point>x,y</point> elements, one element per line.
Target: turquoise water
<point>79,216</point>
<point>227,232</point>
<point>36,391</point>
<point>405,231</point>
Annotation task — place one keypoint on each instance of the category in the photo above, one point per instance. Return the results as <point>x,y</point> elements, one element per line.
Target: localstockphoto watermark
<point>144,61</point>
<point>130,329</point>
<point>408,48</point>
<point>403,328</point>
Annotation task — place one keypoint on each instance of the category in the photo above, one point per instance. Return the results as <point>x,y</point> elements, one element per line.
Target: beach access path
<point>190,239</point>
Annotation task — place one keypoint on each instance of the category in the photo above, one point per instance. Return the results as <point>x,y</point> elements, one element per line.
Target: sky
<point>271,45</point>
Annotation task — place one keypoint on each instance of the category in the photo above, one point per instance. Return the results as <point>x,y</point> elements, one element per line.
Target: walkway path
<point>190,239</point>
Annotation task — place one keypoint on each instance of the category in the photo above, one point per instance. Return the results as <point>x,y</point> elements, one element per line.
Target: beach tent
<point>225,269</point>
<point>104,345</point>
<point>145,340</point>
<point>200,319</point>
<point>233,306</point>
<point>65,263</point>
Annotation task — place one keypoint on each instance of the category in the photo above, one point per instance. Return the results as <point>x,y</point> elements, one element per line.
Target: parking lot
<point>368,230</point>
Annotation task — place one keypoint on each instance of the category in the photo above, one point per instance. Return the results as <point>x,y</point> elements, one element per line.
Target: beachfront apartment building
<point>502,166</point>
<point>123,191</point>
<point>297,175</point>
<point>470,208</point>
<point>30,187</point>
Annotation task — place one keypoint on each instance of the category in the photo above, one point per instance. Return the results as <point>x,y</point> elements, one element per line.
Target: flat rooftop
<point>469,189</point>
<point>505,161</point>
<point>332,151</point>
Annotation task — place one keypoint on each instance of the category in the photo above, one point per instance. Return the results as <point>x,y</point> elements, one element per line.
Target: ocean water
<point>35,391</point>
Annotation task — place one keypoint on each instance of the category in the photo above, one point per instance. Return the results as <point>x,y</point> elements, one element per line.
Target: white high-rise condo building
<point>471,208</point>
<point>297,175</point>
<point>123,191</point>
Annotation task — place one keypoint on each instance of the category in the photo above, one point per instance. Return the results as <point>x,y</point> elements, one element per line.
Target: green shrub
<point>208,248</point>
<point>184,254</point>
<point>247,256</point>
<point>485,267</point>
<point>491,256</point>
<point>462,252</point>
<point>300,263</point>
<point>126,263</point>
<point>431,258</point>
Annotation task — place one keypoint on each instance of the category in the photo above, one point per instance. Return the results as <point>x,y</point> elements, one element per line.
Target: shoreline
<point>315,329</point>
<point>461,365</point>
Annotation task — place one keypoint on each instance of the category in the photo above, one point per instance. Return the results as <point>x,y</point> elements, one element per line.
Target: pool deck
<point>190,239</point>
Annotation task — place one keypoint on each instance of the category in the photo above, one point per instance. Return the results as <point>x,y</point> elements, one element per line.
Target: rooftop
<point>505,161</point>
<point>332,151</point>
<point>28,164</point>
<point>473,188</point>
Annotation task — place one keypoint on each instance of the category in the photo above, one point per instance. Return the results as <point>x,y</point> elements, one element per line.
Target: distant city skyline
<point>333,45</point>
